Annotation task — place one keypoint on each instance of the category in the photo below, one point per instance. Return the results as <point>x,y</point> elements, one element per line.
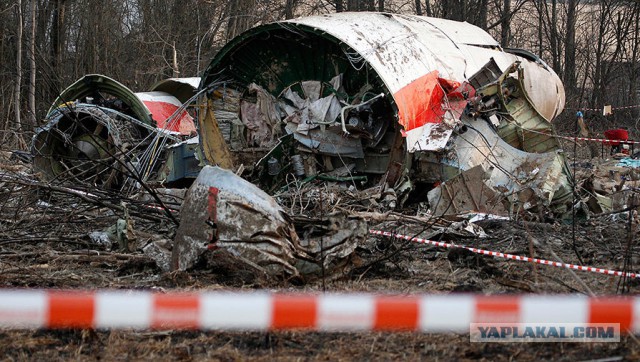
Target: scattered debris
<point>101,133</point>
<point>397,114</point>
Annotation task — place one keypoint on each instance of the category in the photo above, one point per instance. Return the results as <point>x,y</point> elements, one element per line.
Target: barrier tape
<point>571,138</point>
<point>507,256</point>
<point>601,108</point>
<point>601,140</point>
<point>324,312</point>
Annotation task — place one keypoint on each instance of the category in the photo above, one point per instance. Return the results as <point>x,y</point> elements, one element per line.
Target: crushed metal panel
<point>461,33</point>
<point>227,212</point>
<point>430,137</point>
<point>86,143</point>
<point>401,48</point>
<point>92,85</point>
<point>99,131</point>
<point>504,100</point>
<point>374,53</point>
<point>511,170</point>
<point>182,161</point>
<point>331,142</point>
<point>543,87</point>
<point>466,192</point>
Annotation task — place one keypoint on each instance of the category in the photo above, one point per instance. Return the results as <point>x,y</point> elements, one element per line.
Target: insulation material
<point>261,118</point>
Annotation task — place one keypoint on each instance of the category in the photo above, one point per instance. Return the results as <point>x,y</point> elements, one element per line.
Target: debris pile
<point>378,130</point>
<point>470,131</point>
<point>101,133</point>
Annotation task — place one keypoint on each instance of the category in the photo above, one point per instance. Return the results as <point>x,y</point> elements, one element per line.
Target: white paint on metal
<point>423,138</point>
<point>402,48</point>
<point>162,97</point>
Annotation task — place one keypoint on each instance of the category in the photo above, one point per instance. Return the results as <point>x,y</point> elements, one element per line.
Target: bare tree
<point>240,17</point>
<point>57,41</point>
<point>290,8</point>
<point>32,66</point>
<point>570,46</point>
<point>18,78</point>
<point>505,24</point>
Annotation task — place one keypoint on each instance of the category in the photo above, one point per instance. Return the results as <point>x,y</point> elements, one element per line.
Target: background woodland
<point>47,44</point>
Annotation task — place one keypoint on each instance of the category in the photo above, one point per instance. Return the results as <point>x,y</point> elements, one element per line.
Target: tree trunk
<point>570,48</point>
<point>240,17</point>
<point>289,9</point>
<point>32,66</point>
<point>553,37</point>
<point>540,38</point>
<point>18,79</point>
<point>482,16</point>
<point>505,24</point>
<point>339,6</point>
<point>57,39</point>
<point>633,71</point>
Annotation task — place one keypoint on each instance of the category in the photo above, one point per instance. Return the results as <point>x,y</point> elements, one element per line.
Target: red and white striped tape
<point>572,138</point>
<point>507,256</point>
<point>325,312</point>
<point>601,140</point>
<point>602,108</point>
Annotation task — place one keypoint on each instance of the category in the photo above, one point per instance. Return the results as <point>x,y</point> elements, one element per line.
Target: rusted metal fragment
<point>224,211</point>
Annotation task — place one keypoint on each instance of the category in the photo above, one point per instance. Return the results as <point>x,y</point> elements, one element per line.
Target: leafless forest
<point>45,228</point>
<point>45,45</point>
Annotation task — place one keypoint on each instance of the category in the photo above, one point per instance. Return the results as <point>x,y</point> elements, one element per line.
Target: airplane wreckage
<point>403,104</point>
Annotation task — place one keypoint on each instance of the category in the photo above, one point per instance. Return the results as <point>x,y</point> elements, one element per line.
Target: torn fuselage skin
<point>370,97</point>
<point>99,132</point>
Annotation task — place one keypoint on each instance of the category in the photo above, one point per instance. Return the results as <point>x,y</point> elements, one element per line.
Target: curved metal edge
<point>98,82</point>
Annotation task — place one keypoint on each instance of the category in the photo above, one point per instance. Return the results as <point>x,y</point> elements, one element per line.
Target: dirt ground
<point>44,243</point>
